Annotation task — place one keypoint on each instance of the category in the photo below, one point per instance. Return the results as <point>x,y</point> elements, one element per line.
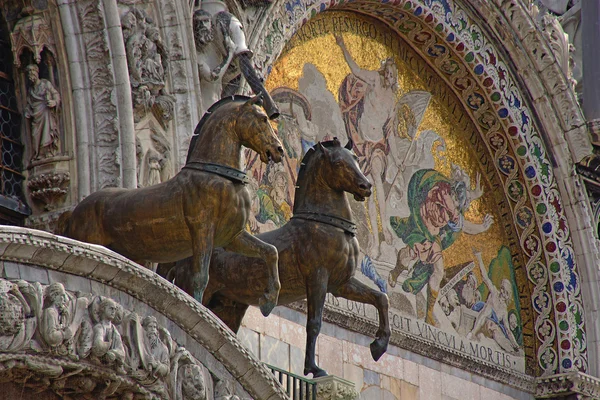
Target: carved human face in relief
<point>203,30</point>
<point>109,310</point>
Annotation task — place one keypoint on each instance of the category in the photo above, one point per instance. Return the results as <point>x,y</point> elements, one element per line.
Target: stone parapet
<point>80,317</point>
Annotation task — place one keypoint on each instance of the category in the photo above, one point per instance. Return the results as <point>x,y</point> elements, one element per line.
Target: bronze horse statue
<point>206,205</point>
<point>318,252</point>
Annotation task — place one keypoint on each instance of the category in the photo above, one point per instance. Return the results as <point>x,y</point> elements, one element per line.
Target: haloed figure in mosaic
<point>43,101</point>
<point>368,101</point>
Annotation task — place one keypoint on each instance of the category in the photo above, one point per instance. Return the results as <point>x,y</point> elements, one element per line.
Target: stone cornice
<point>100,264</point>
<point>562,385</point>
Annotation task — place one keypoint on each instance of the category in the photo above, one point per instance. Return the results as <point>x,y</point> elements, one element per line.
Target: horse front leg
<point>358,291</point>
<point>251,246</point>
<point>196,281</point>
<point>316,290</point>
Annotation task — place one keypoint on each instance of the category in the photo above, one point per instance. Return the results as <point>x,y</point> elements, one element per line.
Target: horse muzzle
<point>364,191</point>
<point>276,155</point>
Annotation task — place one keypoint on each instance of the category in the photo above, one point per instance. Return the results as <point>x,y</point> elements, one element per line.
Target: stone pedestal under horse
<point>318,252</point>
<point>206,205</point>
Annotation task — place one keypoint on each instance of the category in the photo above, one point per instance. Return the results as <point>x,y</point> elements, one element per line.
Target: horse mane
<point>306,165</point>
<point>199,128</point>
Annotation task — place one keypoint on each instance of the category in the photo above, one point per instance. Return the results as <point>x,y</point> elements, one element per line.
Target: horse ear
<point>255,100</point>
<point>323,149</point>
<point>350,144</point>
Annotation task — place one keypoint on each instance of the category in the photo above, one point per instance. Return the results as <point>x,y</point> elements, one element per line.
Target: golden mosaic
<point>431,234</point>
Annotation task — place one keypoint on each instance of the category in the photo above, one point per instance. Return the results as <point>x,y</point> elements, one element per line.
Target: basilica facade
<point>470,246</point>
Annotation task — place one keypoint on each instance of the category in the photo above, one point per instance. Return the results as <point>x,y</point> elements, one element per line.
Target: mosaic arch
<point>514,156</point>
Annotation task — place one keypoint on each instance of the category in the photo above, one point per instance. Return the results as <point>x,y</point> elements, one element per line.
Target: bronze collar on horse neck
<point>232,174</point>
<point>342,223</point>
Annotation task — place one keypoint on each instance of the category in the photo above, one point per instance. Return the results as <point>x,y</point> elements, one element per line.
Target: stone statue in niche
<point>107,345</point>
<point>17,322</point>
<point>43,101</point>
<point>147,59</point>
<point>153,168</point>
<point>59,323</point>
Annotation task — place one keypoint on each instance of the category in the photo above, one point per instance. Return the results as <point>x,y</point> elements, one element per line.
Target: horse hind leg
<point>358,291</point>
<point>229,311</point>
<point>251,246</point>
<point>316,290</point>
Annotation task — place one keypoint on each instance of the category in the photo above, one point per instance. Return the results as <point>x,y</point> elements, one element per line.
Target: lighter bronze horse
<point>318,252</point>
<point>206,205</point>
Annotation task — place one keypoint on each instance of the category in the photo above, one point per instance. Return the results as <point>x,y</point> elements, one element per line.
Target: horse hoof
<point>266,306</point>
<point>316,372</point>
<point>377,349</point>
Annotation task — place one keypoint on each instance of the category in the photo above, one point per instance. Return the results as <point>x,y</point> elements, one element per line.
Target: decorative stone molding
<point>574,385</point>
<point>105,163</point>
<point>54,253</point>
<point>32,32</point>
<point>49,188</point>
<point>334,388</point>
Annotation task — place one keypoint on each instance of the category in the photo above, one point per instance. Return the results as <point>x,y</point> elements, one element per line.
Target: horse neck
<point>218,144</point>
<point>313,194</point>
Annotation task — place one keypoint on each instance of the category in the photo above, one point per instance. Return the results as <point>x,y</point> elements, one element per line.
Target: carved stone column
<point>334,388</point>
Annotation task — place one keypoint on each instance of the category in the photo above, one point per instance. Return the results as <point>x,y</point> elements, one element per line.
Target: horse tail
<point>63,223</point>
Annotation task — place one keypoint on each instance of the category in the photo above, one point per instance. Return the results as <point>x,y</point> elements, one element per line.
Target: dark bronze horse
<point>206,205</point>
<point>318,252</point>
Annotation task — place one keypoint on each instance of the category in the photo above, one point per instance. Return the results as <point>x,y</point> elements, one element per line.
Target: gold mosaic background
<point>322,51</point>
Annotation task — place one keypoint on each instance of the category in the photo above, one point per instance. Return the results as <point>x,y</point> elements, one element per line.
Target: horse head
<point>255,131</point>
<point>342,172</point>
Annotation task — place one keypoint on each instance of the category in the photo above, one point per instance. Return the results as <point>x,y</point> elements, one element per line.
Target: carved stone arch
<point>543,131</point>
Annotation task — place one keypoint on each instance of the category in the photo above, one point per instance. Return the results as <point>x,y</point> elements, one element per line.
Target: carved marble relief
<point>565,22</point>
<point>148,60</point>
<point>93,348</point>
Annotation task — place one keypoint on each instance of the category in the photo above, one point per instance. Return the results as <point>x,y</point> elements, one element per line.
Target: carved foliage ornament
<point>74,343</point>
<point>147,59</point>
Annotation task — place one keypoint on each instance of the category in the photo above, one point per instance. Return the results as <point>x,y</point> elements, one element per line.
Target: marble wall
<point>400,374</point>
